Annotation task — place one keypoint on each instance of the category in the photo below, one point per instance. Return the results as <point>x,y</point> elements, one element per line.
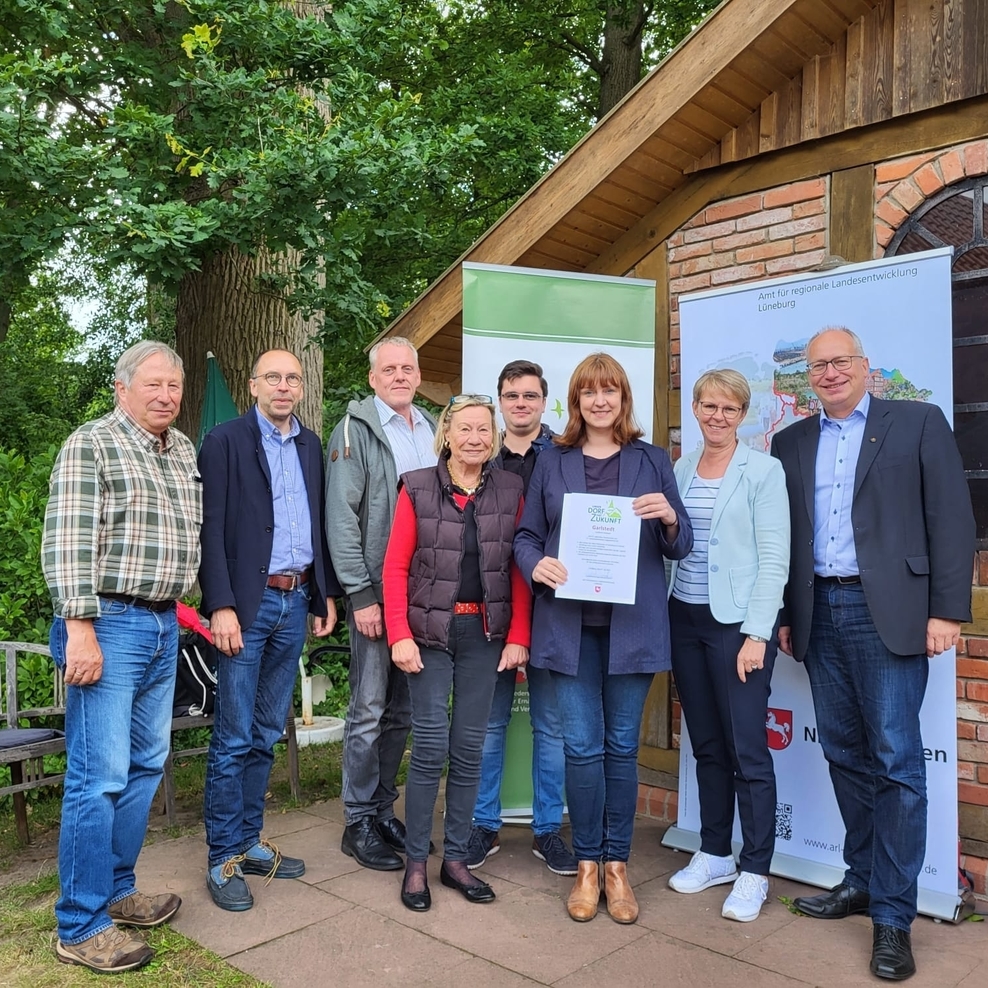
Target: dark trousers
<point>867,702</point>
<point>440,731</point>
<point>726,722</point>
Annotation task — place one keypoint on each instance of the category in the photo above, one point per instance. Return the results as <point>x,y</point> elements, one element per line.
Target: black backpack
<point>195,680</point>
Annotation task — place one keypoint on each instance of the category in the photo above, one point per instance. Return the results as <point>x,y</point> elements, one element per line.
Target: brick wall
<point>780,231</point>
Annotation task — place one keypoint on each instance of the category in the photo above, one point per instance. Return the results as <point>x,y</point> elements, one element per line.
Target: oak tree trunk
<point>621,57</point>
<point>224,308</point>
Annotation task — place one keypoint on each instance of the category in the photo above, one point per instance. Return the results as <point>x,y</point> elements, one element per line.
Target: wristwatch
<point>757,638</point>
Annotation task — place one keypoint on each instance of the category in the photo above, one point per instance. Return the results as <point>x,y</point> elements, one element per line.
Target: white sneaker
<point>746,898</point>
<point>703,871</point>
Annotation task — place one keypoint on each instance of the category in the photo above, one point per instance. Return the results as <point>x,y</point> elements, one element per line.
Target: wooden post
<point>657,720</point>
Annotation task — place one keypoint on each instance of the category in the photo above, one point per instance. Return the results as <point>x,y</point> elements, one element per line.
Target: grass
<point>27,956</point>
<point>27,920</point>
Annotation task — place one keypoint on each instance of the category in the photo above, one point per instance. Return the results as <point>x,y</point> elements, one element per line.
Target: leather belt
<point>838,581</point>
<point>158,606</point>
<point>288,581</point>
<point>466,607</point>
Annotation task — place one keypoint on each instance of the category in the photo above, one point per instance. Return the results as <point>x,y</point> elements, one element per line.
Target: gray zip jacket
<point>361,493</point>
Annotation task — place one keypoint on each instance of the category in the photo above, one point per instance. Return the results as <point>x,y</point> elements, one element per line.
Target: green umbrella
<point>217,405</point>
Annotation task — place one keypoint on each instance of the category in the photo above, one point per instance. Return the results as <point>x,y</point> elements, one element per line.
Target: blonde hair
<point>443,423</point>
<point>729,381</point>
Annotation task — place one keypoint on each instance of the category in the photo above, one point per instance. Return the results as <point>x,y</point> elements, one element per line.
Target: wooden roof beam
<point>651,104</point>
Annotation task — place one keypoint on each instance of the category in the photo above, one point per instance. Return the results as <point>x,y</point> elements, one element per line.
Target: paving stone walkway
<point>344,926</point>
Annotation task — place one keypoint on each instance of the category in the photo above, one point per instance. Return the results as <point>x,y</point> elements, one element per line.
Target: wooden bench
<point>26,761</point>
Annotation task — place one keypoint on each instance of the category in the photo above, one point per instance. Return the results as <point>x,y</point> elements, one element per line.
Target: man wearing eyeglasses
<point>265,568</point>
<point>879,582</point>
<point>379,439</point>
<point>522,392</point>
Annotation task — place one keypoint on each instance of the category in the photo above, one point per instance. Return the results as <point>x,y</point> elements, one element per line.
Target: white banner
<point>555,319</point>
<point>900,307</point>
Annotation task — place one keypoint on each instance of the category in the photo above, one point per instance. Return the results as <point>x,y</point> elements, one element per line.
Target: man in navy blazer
<point>879,582</point>
<point>265,568</point>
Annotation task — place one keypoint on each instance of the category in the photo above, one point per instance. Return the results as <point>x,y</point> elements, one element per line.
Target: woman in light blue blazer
<point>723,612</point>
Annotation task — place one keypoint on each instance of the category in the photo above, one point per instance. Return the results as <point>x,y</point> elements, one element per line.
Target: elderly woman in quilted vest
<point>457,613</point>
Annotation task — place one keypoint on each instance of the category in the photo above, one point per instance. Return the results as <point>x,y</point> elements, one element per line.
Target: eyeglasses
<point>273,378</point>
<point>819,367</point>
<point>529,396</point>
<point>484,399</point>
<point>709,409</point>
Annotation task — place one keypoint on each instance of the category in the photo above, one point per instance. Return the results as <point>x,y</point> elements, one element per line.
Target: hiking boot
<point>552,849</point>
<point>746,898</point>
<point>703,871</point>
<point>264,858</point>
<point>109,951</point>
<point>228,887</point>
<point>483,843</point>
<point>138,909</point>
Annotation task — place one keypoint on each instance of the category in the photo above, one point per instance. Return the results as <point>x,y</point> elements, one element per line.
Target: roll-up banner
<point>554,318</point>
<point>900,307</point>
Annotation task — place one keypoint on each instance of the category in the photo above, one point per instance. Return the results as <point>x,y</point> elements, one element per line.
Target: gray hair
<point>850,334</point>
<point>393,341</point>
<point>134,356</point>
<point>457,405</point>
<point>729,381</point>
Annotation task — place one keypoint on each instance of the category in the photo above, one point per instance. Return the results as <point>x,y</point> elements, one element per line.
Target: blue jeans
<point>601,716</point>
<point>378,720</point>
<point>867,702</point>
<point>116,738</point>
<point>548,763</point>
<point>253,697</point>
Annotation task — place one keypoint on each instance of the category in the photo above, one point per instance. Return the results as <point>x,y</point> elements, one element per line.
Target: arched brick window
<point>958,216</point>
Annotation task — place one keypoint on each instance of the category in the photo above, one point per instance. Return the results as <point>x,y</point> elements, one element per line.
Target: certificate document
<point>598,545</point>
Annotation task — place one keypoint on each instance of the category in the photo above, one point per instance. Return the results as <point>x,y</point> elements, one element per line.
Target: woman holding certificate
<point>602,655</point>
<point>457,613</point>
<point>725,602</point>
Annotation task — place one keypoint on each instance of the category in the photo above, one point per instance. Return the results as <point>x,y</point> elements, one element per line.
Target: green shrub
<point>25,605</point>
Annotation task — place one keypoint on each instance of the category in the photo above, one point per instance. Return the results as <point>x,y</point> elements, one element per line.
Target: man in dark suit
<point>879,582</point>
<point>265,568</point>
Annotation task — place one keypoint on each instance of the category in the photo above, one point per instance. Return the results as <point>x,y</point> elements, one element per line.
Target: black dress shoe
<point>836,904</point>
<point>393,832</point>
<point>418,902</point>
<point>472,893</point>
<point>361,840</point>
<point>892,953</point>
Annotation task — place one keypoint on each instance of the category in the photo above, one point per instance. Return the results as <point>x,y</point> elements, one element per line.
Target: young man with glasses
<point>879,583</point>
<point>265,568</point>
<point>379,439</point>
<point>522,392</point>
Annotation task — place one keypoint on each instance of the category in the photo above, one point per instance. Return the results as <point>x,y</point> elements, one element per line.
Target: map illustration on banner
<point>901,310</point>
<point>889,304</point>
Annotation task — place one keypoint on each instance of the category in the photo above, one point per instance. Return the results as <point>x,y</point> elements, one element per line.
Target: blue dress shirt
<point>291,550</point>
<point>413,448</point>
<point>836,461</point>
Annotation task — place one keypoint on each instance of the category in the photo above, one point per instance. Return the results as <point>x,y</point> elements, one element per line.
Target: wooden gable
<point>757,77</point>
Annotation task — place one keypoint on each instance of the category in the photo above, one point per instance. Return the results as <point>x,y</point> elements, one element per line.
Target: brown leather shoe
<point>621,902</point>
<point>583,899</point>
<point>139,909</point>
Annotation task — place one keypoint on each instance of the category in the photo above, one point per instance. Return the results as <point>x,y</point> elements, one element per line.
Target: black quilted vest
<point>434,573</point>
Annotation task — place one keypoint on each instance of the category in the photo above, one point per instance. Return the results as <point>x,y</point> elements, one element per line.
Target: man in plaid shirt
<point>121,544</point>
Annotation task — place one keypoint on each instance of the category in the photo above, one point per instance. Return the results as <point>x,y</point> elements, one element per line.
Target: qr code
<point>783,821</point>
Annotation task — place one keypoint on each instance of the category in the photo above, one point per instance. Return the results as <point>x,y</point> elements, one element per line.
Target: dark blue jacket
<point>639,640</point>
<point>238,518</point>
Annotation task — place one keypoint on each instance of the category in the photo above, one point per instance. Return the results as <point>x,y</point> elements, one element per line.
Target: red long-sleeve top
<point>397,561</point>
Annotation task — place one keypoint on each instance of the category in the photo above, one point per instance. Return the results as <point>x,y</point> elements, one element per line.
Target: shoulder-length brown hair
<point>599,370</point>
